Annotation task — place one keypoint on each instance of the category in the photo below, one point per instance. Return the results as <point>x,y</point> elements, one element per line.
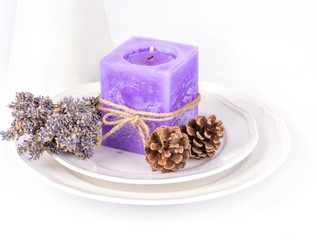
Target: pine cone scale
<point>161,162</point>
<point>209,145</point>
<point>197,144</point>
<point>191,131</point>
<point>155,146</point>
<point>176,157</point>
<point>169,165</point>
<point>197,150</point>
<point>166,153</point>
<point>207,135</point>
<point>199,136</point>
<point>152,157</point>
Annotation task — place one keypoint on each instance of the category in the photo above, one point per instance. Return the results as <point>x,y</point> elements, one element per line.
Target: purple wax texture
<point>159,88</point>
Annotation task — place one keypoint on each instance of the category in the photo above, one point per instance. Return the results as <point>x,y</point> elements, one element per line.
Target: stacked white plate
<point>256,143</point>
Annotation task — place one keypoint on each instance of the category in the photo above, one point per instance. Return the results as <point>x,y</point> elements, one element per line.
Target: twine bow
<point>137,118</point>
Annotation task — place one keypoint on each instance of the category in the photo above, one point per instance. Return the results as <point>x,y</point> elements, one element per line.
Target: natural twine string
<point>137,118</point>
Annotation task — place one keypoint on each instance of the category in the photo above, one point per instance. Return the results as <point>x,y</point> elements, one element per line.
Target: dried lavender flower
<point>71,125</point>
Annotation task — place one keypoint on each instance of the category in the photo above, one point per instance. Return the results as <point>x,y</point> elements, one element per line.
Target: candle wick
<point>150,58</point>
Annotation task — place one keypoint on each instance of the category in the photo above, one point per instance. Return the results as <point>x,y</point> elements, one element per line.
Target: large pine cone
<point>204,136</point>
<point>167,149</point>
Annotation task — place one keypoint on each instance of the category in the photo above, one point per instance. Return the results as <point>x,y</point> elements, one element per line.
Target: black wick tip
<point>150,58</point>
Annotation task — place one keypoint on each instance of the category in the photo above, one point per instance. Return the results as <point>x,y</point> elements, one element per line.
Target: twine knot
<point>134,119</point>
<point>126,115</point>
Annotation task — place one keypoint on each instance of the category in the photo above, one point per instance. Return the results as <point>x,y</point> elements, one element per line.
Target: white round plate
<point>271,151</point>
<point>111,164</point>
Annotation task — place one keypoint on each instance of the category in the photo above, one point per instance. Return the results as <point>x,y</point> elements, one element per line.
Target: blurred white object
<point>57,44</point>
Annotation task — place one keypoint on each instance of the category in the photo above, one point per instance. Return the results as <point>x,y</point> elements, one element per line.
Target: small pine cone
<point>204,136</point>
<point>167,149</point>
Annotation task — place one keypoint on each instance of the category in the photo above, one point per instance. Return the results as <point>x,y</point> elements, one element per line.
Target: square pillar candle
<point>149,75</point>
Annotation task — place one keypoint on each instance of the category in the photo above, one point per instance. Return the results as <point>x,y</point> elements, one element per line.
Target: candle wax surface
<point>148,58</point>
<point>160,88</point>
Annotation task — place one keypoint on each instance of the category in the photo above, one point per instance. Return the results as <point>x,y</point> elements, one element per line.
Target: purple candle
<point>149,75</point>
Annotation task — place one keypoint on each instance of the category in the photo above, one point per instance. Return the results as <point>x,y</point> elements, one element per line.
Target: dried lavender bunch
<point>29,114</point>
<point>71,125</point>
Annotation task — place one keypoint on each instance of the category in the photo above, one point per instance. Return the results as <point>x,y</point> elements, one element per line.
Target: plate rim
<point>252,128</point>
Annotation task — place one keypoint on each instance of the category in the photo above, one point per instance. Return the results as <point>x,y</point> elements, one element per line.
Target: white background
<point>266,49</point>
